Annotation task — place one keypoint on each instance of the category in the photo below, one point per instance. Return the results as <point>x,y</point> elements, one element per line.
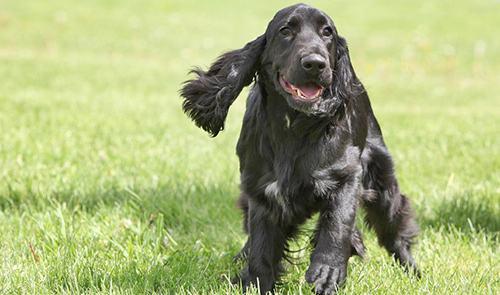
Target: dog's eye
<point>327,32</point>
<point>285,31</point>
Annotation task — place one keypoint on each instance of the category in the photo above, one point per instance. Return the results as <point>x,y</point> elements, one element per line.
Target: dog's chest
<point>296,197</point>
<point>299,179</point>
<point>304,173</point>
<point>285,190</point>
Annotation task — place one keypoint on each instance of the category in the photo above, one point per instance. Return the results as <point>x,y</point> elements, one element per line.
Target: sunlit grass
<point>118,192</point>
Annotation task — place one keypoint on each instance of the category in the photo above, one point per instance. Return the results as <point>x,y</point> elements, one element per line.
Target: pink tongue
<point>309,89</point>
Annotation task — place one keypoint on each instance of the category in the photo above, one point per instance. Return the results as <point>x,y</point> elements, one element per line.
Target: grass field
<point>118,192</point>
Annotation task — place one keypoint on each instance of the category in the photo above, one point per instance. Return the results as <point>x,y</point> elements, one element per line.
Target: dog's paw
<point>242,279</point>
<point>326,279</point>
<point>248,282</point>
<point>245,281</point>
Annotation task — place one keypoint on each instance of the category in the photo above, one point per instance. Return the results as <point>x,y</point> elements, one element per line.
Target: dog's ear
<point>208,97</point>
<point>346,84</point>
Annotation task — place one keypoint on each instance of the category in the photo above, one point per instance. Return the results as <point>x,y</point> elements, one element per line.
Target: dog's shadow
<point>465,212</point>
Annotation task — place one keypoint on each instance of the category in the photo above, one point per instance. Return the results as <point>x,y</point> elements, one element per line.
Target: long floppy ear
<point>346,84</point>
<point>208,97</point>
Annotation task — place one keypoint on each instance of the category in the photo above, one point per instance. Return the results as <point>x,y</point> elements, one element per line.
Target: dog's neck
<point>284,120</point>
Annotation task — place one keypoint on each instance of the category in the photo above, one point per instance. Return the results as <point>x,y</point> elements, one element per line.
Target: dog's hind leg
<point>243,204</point>
<point>389,212</point>
<point>357,246</point>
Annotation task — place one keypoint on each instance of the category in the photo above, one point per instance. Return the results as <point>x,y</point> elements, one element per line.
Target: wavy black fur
<point>209,96</point>
<point>299,156</point>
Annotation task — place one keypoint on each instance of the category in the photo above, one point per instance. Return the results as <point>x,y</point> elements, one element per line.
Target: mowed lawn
<point>106,186</point>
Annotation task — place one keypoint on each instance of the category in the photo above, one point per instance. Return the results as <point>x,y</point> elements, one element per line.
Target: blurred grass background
<point>118,192</point>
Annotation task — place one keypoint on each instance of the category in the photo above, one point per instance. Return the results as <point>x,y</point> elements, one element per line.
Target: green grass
<point>93,143</point>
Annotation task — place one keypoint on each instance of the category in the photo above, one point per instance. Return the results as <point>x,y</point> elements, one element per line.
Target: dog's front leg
<point>266,247</point>
<point>328,269</point>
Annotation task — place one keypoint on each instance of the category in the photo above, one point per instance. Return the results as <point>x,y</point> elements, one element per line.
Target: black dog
<point>309,143</point>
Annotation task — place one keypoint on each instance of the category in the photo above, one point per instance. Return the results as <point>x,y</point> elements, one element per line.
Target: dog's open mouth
<point>309,92</point>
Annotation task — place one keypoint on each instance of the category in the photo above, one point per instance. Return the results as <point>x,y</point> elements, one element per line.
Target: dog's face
<point>300,55</point>
<point>300,59</point>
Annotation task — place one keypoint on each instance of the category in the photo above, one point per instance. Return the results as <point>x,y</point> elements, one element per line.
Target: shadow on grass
<point>466,212</point>
<point>184,204</point>
<point>177,200</point>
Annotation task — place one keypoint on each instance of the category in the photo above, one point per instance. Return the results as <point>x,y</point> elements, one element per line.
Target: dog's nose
<point>313,64</point>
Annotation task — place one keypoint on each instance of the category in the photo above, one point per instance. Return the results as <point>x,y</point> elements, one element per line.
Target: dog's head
<point>300,56</point>
<point>304,56</point>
